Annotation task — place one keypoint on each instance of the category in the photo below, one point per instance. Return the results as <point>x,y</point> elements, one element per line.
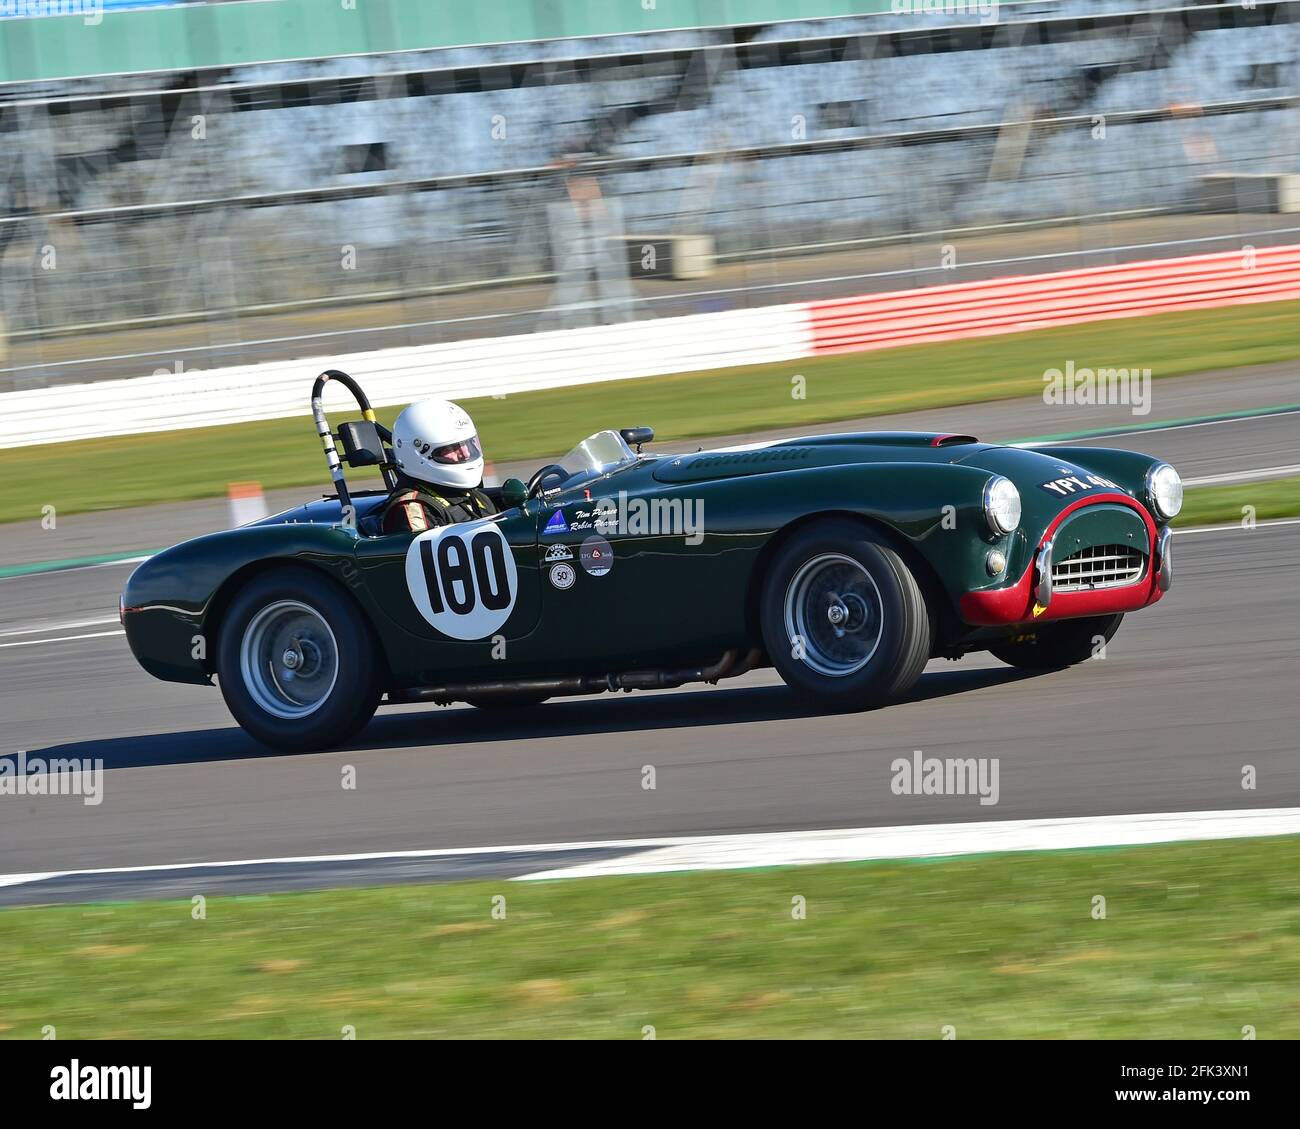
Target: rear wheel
<point>296,661</point>
<point>1059,644</point>
<point>843,618</point>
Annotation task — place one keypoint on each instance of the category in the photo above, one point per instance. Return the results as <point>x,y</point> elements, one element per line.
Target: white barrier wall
<point>463,369</point>
<point>560,358</point>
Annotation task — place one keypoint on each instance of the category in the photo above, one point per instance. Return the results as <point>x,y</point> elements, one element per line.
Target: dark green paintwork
<point>664,602</point>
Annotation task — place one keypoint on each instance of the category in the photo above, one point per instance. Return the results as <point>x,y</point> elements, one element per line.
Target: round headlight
<point>1002,505</point>
<point>1165,490</point>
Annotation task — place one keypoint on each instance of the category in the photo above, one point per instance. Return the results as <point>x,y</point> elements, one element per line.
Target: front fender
<point>1127,468</point>
<point>937,508</point>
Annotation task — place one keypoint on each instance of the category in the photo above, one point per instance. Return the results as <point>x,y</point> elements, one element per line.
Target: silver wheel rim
<point>289,659</point>
<point>833,615</point>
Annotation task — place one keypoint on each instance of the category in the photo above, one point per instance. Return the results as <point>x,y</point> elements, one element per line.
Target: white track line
<point>62,639</point>
<point>801,848</point>
<point>301,860</point>
<point>77,568</point>
<point>1237,527</point>
<point>1121,433</point>
<point>58,626</point>
<point>798,848</point>
<point>1244,475</point>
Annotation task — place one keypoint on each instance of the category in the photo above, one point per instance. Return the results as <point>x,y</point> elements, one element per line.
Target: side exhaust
<point>726,667</point>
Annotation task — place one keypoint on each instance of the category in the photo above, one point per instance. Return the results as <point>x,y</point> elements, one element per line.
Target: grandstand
<point>227,189</point>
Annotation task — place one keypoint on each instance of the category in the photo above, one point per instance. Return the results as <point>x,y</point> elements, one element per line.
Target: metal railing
<point>248,232</point>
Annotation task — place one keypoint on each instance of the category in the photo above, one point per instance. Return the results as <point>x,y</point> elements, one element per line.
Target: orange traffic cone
<point>247,503</point>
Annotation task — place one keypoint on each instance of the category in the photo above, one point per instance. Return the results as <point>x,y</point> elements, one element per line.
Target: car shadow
<point>439,726</point>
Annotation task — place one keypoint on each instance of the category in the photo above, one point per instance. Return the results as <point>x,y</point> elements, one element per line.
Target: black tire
<point>508,701</point>
<point>878,651</point>
<point>1056,645</point>
<point>282,611</point>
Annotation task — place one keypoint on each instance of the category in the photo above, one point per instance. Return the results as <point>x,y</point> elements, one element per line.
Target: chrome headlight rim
<point>1000,484</point>
<point>1166,501</point>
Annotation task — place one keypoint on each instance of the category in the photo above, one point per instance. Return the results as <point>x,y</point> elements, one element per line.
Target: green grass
<point>173,466</point>
<point>1207,505</point>
<point>1199,940</point>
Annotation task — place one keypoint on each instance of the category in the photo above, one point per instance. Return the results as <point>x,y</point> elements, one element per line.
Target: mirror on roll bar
<point>636,436</point>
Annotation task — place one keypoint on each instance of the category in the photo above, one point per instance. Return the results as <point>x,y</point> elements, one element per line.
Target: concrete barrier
<point>1013,305</point>
<point>502,366</point>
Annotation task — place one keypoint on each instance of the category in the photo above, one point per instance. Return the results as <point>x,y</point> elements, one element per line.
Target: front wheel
<point>843,618</point>
<point>1059,644</point>
<point>296,661</point>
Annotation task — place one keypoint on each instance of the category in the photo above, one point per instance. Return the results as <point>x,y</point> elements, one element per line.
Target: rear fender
<point>172,601</point>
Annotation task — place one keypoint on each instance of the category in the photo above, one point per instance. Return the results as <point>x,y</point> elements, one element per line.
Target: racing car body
<point>846,561</point>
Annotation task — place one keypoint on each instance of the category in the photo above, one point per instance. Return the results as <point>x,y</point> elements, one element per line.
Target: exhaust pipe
<point>725,667</point>
<point>667,679</point>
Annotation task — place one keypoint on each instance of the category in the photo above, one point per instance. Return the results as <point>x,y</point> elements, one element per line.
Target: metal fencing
<point>227,216</point>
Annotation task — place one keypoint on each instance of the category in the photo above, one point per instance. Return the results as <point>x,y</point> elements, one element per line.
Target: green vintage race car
<point>844,561</point>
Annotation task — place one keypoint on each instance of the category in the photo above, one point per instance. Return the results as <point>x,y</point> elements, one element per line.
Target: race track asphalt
<point>1190,693</point>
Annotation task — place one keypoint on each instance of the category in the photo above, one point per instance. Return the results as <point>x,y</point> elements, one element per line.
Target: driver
<point>440,469</point>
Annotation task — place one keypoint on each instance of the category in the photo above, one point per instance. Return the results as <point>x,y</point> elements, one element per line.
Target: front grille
<point>1098,566</point>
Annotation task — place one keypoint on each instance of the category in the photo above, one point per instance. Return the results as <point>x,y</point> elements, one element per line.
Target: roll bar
<point>327,437</point>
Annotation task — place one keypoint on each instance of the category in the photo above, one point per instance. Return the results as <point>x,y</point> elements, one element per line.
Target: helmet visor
<point>462,451</point>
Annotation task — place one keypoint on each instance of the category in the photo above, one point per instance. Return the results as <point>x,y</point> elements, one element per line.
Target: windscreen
<point>596,455</point>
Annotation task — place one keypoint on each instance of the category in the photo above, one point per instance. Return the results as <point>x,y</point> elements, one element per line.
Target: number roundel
<point>463,578</point>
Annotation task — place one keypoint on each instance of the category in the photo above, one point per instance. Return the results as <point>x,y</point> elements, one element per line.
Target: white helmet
<point>434,441</point>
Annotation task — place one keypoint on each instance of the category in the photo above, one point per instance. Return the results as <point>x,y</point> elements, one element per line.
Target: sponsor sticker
<point>596,556</point>
<point>557,524</point>
<point>563,576</point>
<point>557,553</point>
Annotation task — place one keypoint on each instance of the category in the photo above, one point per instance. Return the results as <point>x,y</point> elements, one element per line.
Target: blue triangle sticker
<point>557,524</point>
